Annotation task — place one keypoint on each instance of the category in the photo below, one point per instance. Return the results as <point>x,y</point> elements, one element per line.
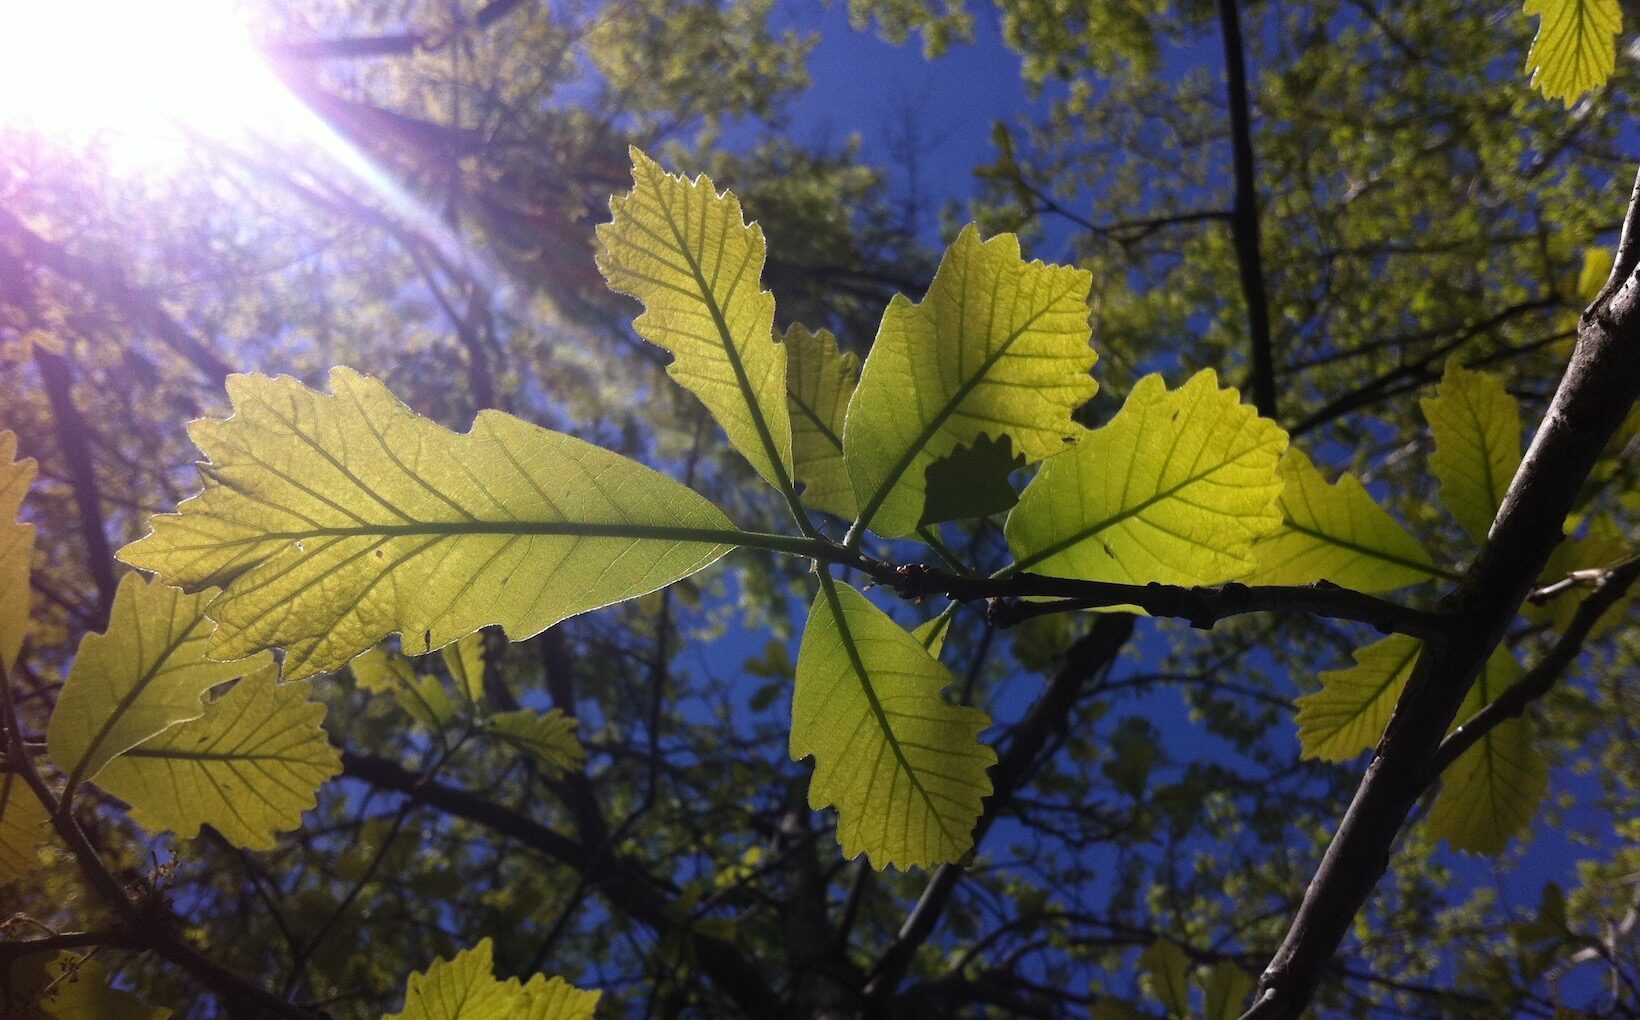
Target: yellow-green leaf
<point>16,545</point>
<point>1576,46</point>
<point>931,633</point>
<point>1348,714</point>
<point>421,695</point>
<point>146,673</point>
<point>548,737</point>
<point>23,831</point>
<point>381,671</point>
<point>819,382</point>
<point>465,661</point>
<point>1227,989</point>
<point>688,254</point>
<point>248,767</point>
<point>1492,791</point>
<point>1175,490</point>
<point>904,768</point>
<point>1168,970</point>
<point>1476,425</point>
<point>465,988</point>
<point>64,986</point>
<point>335,520</point>
<point>1336,533</point>
<point>998,347</point>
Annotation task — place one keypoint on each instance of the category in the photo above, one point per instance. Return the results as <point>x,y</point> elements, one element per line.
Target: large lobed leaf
<point>1336,533</point>
<point>904,768</point>
<point>146,673</point>
<point>1492,791</point>
<point>1576,46</point>
<point>688,254</point>
<point>16,546</point>
<point>248,767</point>
<point>1174,490</point>
<point>1476,425</point>
<point>819,382</point>
<point>998,347</point>
<point>334,520</point>
<point>465,988</point>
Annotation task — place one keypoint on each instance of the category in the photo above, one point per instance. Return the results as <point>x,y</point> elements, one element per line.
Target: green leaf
<point>333,521</point>
<point>548,737</point>
<point>1492,791</point>
<point>1348,714</point>
<point>421,696</point>
<point>1174,490</point>
<point>248,767</point>
<point>465,988</point>
<point>1576,46</point>
<point>1228,988</point>
<point>971,481</point>
<point>16,546</point>
<point>904,768</point>
<point>64,986</point>
<point>1476,425</point>
<point>146,673</point>
<point>1336,533</point>
<point>931,634</point>
<point>465,661</point>
<point>23,831</point>
<point>999,346</point>
<point>688,254</point>
<point>819,382</point>
<point>1168,969</point>
<point>380,670</point>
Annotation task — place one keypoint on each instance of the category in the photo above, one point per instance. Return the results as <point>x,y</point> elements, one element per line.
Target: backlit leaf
<point>146,673</point>
<point>1175,489</point>
<point>16,545</point>
<point>1476,425</point>
<point>904,768</point>
<point>819,382</point>
<point>1336,533</point>
<point>1576,46</point>
<point>334,520</point>
<point>248,767</point>
<point>1227,988</point>
<point>465,661</point>
<point>23,828</point>
<point>465,988</point>
<point>65,986</point>
<point>999,346</point>
<point>1492,791</point>
<point>1168,969</point>
<point>1348,714</point>
<point>688,254</point>
<point>972,481</point>
<point>548,737</point>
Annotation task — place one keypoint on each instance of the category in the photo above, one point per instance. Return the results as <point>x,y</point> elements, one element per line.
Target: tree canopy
<point>513,525</point>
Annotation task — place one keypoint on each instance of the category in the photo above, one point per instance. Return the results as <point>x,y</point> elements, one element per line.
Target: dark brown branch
<point>56,377</point>
<point>1596,393</point>
<point>1201,607</point>
<point>398,44</point>
<point>1244,220</point>
<point>1612,586</point>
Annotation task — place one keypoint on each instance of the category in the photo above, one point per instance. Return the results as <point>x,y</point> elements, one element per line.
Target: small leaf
<point>465,661</point>
<point>1228,988</point>
<point>1348,714</point>
<point>146,673</point>
<point>548,737</point>
<point>465,988</point>
<point>999,346</point>
<point>335,520</point>
<point>1576,46</point>
<point>1174,490</point>
<point>381,671</point>
<point>16,546</point>
<point>1492,791</point>
<point>972,481</point>
<point>904,768</point>
<point>819,383</point>
<point>1169,971</point>
<point>248,767</point>
<point>69,987</point>
<point>23,828</point>
<point>931,634</point>
<point>688,254</point>
<point>1476,425</point>
<point>1336,533</point>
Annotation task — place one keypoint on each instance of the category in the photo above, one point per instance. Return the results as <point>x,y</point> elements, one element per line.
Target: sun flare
<point>138,75</point>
